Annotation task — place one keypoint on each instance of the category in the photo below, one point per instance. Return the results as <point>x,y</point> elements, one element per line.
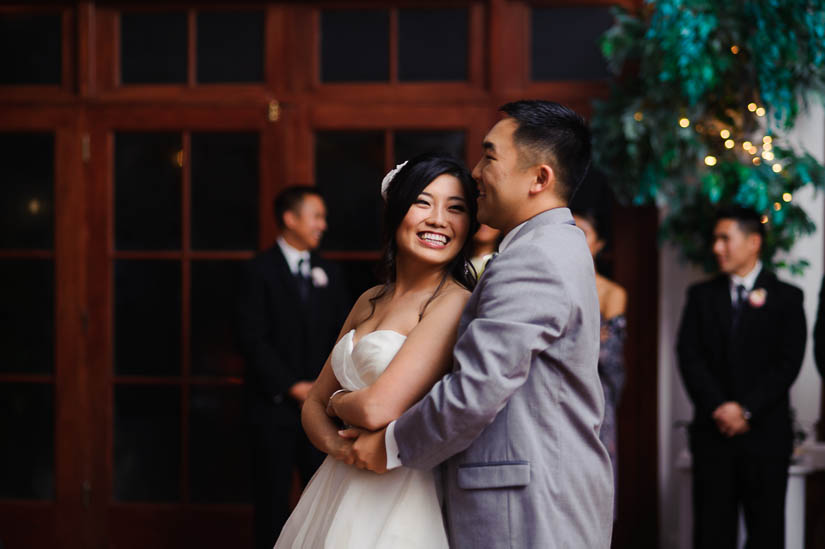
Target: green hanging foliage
<point>696,116</point>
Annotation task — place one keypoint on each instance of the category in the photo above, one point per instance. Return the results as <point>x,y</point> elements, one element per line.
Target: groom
<point>517,421</point>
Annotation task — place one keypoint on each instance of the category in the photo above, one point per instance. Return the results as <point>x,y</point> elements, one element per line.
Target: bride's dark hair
<point>402,193</point>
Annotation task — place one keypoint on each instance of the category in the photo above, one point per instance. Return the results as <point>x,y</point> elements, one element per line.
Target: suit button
<point>277,399</point>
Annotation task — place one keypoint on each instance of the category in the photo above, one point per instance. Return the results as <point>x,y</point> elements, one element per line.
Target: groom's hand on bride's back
<point>369,448</point>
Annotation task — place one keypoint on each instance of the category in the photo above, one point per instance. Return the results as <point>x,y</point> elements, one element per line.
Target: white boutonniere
<point>757,297</point>
<point>319,277</point>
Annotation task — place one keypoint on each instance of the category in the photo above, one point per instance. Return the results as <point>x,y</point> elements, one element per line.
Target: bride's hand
<point>341,449</point>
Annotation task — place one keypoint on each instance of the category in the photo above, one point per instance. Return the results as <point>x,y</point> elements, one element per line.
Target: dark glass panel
<point>432,44</point>
<point>355,46</point>
<point>411,143</point>
<point>27,190</point>
<point>566,42</point>
<point>349,167</point>
<point>30,49</point>
<point>595,199</point>
<point>230,46</point>
<point>148,190</point>
<point>27,435</point>
<point>214,295</point>
<point>225,191</point>
<point>219,453</point>
<point>360,276</point>
<point>153,48</point>
<point>147,443</point>
<point>27,305</point>
<point>147,317</point>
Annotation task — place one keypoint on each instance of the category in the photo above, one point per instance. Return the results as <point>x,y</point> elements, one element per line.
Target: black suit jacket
<point>284,339</point>
<point>753,364</point>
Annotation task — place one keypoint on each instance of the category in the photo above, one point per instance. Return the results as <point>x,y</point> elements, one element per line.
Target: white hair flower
<point>385,183</point>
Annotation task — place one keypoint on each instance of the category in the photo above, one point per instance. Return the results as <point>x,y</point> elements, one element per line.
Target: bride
<point>395,344</point>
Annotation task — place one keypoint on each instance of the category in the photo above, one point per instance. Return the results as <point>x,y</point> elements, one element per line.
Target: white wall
<point>675,277</point>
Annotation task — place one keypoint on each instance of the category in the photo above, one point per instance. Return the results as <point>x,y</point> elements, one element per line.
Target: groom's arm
<point>522,309</point>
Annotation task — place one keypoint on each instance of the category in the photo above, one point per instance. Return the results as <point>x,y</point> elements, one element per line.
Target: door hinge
<point>85,148</point>
<point>274,111</point>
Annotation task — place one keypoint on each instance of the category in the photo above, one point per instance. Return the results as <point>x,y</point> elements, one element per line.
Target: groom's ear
<point>545,179</point>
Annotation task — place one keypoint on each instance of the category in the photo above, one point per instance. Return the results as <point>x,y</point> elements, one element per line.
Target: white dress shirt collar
<point>293,257</point>
<point>748,280</point>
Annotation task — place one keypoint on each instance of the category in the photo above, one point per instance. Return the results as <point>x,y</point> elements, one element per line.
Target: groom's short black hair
<point>551,133</point>
<point>290,200</point>
<point>748,219</point>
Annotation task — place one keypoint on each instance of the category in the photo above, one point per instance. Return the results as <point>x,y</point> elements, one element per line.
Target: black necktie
<point>303,281</point>
<point>739,306</point>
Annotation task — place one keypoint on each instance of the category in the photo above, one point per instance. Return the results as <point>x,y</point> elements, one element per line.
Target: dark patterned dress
<point>611,374</point>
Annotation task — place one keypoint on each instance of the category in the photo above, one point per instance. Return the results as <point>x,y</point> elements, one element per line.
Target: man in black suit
<point>819,332</point>
<point>292,306</point>
<point>741,344</point>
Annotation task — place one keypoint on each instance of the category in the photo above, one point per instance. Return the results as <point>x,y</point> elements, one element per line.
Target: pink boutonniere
<point>319,277</point>
<point>757,297</point>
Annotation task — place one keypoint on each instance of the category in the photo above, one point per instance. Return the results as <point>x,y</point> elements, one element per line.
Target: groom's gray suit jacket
<point>517,420</point>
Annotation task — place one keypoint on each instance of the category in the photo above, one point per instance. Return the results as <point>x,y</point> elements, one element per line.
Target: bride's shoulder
<point>364,301</point>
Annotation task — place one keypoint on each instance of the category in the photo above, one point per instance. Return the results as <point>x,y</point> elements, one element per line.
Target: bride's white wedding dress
<point>345,507</point>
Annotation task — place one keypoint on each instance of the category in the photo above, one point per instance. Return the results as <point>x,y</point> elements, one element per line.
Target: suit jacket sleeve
<point>521,309</point>
<point>819,332</point>
<point>255,326</point>
<point>702,387</point>
<point>793,334</point>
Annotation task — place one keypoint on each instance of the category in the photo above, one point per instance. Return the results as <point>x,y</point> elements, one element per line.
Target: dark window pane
<point>411,143</point>
<point>218,456</point>
<point>27,190</point>
<point>214,295</point>
<point>230,46</point>
<point>30,49</point>
<point>147,443</point>
<point>432,44</point>
<point>27,305</point>
<point>27,435</point>
<point>349,167</point>
<point>147,191</point>
<point>147,317</point>
<point>559,31</point>
<point>360,276</point>
<point>225,191</point>
<point>595,198</point>
<point>153,48</point>
<point>355,46</point>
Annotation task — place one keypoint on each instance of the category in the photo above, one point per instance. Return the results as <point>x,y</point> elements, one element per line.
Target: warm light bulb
<point>766,146</point>
<point>751,107</point>
<point>710,160</point>
<point>767,139</point>
<point>777,168</point>
<point>787,197</point>
<point>734,49</point>
<point>684,122</point>
<point>729,144</point>
<point>760,111</point>
<point>756,160</point>
<point>638,116</point>
<point>724,134</point>
<point>747,145</point>
<point>777,206</point>
<point>34,206</point>
<point>764,219</point>
<point>767,155</point>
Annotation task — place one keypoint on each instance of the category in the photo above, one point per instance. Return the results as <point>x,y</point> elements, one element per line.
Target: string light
<point>764,219</point>
<point>684,122</point>
<point>756,160</point>
<point>760,111</point>
<point>777,168</point>
<point>729,144</point>
<point>787,197</point>
<point>752,107</point>
<point>638,116</point>
<point>747,145</point>
<point>777,206</point>
<point>766,146</point>
<point>767,155</point>
<point>767,139</point>
<point>710,160</point>
<point>724,134</point>
<point>734,49</point>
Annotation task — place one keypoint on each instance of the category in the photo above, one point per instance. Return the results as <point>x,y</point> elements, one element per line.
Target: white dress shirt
<point>393,458</point>
<point>294,257</point>
<point>747,281</point>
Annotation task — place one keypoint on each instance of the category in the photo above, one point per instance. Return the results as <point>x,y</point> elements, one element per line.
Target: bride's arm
<point>423,359</point>
<point>319,427</point>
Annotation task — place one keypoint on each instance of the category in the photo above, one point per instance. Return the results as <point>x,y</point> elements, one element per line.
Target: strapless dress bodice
<point>357,364</point>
